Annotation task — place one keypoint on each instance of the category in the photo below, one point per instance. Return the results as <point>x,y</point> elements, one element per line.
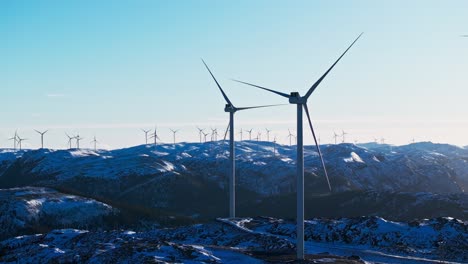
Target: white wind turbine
<point>42,137</point>
<point>240,132</point>
<point>95,142</point>
<point>174,132</point>
<point>78,138</point>
<point>69,140</point>
<point>200,132</point>
<point>335,135</point>
<point>268,134</point>
<point>146,135</point>
<point>20,140</point>
<point>250,133</point>
<point>301,102</point>
<point>343,134</point>
<point>15,139</point>
<point>231,109</point>
<point>290,135</point>
<point>155,136</point>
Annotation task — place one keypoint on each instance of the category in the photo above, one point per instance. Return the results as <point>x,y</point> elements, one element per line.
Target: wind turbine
<point>155,136</point>
<point>268,134</point>
<point>69,140</point>
<point>78,138</point>
<point>382,140</point>
<point>343,133</point>
<point>174,133</point>
<point>15,139</point>
<point>231,109</point>
<point>20,140</point>
<point>214,134</point>
<point>250,133</point>
<point>259,136</point>
<point>200,132</point>
<point>335,135</point>
<point>240,134</point>
<point>290,135</point>
<point>301,102</point>
<point>94,141</point>
<point>146,135</point>
<point>42,137</point>
<point>205,135</point>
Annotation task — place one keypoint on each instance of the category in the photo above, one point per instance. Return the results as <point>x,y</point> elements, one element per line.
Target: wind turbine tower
<point>250,133</point>
<point>240,134</point>
<point>42,137</point>
<point>94,141</point>
<point>301,103</point>
<point>78,138</point>
<point>15,139</point>
<point>200,132</point>
<point>20,140</point>
<point>174,134</point>
<point>146,135</point>
<point>231,109</point>
<point>155,136</point>
<point>335,135</point>
<point>268,134</point>
<point>290,136</point>
<point>69,141</point>
<point>343,134</point>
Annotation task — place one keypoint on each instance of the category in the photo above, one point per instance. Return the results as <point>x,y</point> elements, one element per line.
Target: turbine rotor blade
<point>253,107</point>
<point>316,84</point>
<point>227,129</point>
<point>219,86</point>
<point>266,89</point>
<point>316,144</point>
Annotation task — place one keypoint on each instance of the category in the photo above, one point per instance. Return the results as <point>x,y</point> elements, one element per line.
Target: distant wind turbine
<point>200,132</point>
<point>382,140</point>
<point>240,134</point>
<point>146,135</point>
<point>301,102</point>
<point>205,135</point>
<point>231,109</point>
<point>174,134</point>
<point>343,134</point>
<point>335,135</point>
<point>94,141</point>
<point>15,139</point>
<point>42,137</point>
<point>250,133</point>
<point>78,138</point>
<point>155,136</point>
<point>21,140</point>
<point>268,134</point>
<point>69,140</point>
<point>290,135</point>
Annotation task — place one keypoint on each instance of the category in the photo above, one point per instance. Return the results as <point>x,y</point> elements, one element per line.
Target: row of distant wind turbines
<point>17,140</point>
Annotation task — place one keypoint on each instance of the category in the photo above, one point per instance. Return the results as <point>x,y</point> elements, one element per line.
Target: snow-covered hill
<point>190,178</point>
<point>32,209</point>
<point>251,240</point>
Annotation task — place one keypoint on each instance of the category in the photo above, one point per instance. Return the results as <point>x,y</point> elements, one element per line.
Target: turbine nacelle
<point>295,98</point>
<point>229,108</point>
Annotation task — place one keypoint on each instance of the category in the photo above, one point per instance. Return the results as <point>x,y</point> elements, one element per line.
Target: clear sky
<point>110,68</point>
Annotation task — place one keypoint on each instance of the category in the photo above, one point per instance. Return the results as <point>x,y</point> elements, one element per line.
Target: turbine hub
<point>295,98</point>
<point>229,108</point>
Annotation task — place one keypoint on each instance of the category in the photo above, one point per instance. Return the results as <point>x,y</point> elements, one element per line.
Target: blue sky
<point>109,68</point>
